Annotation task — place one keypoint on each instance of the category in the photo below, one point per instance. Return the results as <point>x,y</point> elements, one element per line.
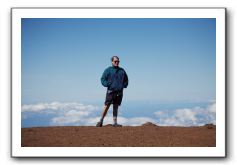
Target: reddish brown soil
<point>147,135</point>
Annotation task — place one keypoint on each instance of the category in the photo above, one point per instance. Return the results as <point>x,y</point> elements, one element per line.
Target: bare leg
<point>105,110</point>
<point>115,113</point>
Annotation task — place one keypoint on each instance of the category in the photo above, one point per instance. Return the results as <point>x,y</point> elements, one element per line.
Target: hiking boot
<point>117,125</point>
<point>99,124</point>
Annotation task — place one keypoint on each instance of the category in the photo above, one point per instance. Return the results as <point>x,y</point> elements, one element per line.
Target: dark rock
<point>210,126</point>
<point>149,124</point>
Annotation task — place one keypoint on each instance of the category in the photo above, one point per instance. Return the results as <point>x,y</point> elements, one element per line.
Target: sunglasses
<point>116,61</point>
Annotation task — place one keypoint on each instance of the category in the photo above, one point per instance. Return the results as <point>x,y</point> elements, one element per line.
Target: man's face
<point>115,62</point>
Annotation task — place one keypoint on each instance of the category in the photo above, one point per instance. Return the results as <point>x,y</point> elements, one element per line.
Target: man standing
<point>115,79</point>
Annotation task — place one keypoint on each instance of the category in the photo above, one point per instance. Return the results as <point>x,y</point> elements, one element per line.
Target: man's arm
<point>125,80</point>
<point>104,78</point>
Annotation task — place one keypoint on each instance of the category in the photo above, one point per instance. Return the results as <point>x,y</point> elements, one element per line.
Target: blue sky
<point>168,62</point>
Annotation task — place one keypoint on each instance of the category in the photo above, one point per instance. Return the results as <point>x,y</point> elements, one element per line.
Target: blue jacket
<point>114,78</point>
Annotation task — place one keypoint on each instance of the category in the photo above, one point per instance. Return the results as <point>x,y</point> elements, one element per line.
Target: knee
<point>106,107</point>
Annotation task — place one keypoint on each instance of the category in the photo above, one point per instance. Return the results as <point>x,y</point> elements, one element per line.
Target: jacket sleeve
<point>104,78</point>
<point>125,81</point>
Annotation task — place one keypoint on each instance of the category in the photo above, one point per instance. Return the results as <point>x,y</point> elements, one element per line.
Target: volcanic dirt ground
<point>146,135</point>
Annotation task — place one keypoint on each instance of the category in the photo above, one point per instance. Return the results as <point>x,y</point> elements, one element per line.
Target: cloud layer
<point>80,114</point>
<point>188,116</point>
<point>57,106</point>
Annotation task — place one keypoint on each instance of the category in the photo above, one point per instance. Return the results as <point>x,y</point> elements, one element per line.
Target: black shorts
<point>113,97</point>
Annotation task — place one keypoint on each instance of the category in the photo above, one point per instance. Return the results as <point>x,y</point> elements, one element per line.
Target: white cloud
<point>64,113</point>
<point>187,116</point>
<point>81,114</point>
<point>72,116</point>
<point>77,113</point>
<point>91,121</point>
<point>86,120</point>
<point>57,106</point>
<point>212,108</point>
